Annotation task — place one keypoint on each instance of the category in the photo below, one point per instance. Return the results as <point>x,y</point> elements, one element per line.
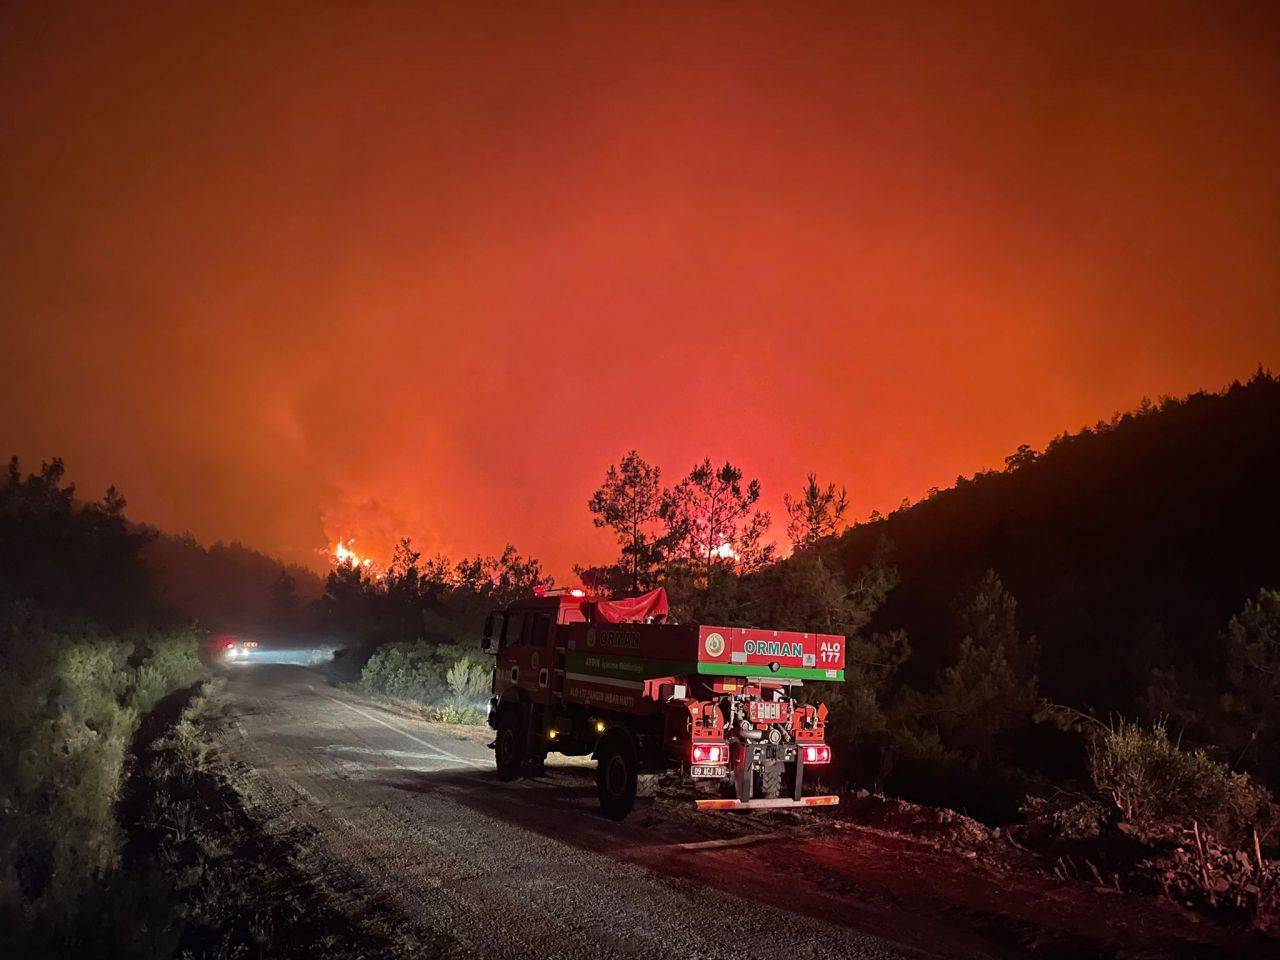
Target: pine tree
<point>817,513</point>
<point>714,528</point>
<point>629,503</point>
<point>992,686</point>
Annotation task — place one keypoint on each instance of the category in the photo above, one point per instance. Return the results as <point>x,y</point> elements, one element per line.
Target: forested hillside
<point>1128,546</point>
<point>230,586</point>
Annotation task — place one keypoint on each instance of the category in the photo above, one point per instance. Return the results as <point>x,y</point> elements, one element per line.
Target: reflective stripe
<point>606,681</point>
<point>821,801</point>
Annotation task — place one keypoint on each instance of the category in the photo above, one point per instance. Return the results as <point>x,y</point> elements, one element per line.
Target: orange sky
<point>363,269</point>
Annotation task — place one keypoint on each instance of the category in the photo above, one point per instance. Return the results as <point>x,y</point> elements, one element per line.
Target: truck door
<point>542,658</point>
<point>510,648</point>
<point>527,659</point>
<point>569,613</point>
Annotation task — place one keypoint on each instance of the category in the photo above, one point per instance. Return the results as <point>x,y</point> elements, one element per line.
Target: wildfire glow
<point>343,555</point>
<point>726,552</point>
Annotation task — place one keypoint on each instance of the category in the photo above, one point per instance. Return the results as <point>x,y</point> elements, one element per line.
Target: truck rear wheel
<point>769,781</point>
<point>647,786</point>
<point>508,749</point>
<point>616,772</point>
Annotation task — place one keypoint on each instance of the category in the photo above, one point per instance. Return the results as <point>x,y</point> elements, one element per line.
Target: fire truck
<point>643,697</point>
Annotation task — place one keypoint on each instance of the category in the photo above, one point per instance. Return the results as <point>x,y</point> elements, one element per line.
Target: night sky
<point>365,270</point>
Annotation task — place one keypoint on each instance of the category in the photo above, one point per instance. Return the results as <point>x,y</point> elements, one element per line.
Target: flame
<point>343,555</point>
<point>725,551</point>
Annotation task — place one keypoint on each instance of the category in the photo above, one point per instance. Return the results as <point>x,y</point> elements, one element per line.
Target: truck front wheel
<point>616,771</point>
<point>508,749</point>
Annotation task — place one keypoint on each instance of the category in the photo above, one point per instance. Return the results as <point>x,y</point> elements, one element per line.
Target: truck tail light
<point>818,753</point>
<point>709,753</point>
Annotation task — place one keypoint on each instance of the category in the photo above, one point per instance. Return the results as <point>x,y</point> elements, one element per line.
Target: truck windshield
<point>539,630</point>
<point>514,632</point>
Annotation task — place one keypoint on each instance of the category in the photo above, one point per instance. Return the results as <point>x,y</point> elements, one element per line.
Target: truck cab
<point>523,638</point>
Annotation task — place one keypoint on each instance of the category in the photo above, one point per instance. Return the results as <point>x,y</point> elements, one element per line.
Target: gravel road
<point>415,829</point>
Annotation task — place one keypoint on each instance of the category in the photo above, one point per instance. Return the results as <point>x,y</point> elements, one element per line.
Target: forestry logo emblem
<point>714,644</point>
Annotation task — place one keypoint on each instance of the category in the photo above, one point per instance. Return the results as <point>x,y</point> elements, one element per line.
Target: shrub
<point>70,700</point>
<point>1064,817</point>
<point>1151,779</point>
<point>170,662</point>
<point>1163,819</point>
<point>468,682</point>
<point>438,675</point>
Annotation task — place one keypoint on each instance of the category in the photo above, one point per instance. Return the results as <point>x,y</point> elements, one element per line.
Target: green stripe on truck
<point>761,670</point>
<point>625,668</point>
<point>638,668</point>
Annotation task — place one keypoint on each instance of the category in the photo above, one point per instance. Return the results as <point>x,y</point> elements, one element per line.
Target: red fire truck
<point>614,680</point>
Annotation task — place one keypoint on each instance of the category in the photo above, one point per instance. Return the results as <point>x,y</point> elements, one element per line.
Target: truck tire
<point>647,786</point>
<point>617,768</point>
<point>508,748</point>
<point>769,781</point>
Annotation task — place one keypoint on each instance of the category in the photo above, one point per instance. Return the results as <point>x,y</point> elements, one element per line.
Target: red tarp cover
<point>633,609</point>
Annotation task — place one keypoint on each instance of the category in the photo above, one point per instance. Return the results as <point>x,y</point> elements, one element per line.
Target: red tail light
<point>709,753</point>
<point>230,646</point>
<point>819,753</point>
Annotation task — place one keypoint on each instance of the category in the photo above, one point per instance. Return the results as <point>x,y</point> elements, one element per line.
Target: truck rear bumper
<point>819,801</point>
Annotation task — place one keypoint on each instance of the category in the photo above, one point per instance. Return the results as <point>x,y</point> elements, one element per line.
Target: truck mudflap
<point>829,800</point>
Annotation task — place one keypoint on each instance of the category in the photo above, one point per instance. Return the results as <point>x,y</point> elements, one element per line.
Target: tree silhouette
<point>66,555</point>
<point>503,579</point>
<point>346,608</point>
<point>402,581</point>
<point>818,512</point>
<point>713,526</point>
<point>229,587</point>
<point>629,503</point>
<point>603,579</point>
<point>1252,700</point>
<point>287,613</point>
<point>1024,455</point>
<point>992,686</point>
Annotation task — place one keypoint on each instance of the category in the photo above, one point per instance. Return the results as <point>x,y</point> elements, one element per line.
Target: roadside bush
<point>469,683</point>
<point>1064,817</point>
<point>71,697</point>
<point>1164,819</point>
<point>411,671</point>
<point>170,661</point>
<point>445,677</point>
<point>1152,780</point>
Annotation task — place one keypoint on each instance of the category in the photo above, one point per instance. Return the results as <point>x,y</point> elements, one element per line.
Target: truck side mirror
<point>488,626</point>
<point>485,644</point>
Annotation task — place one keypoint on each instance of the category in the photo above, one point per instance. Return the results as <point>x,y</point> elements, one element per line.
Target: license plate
<point>706,771</point>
